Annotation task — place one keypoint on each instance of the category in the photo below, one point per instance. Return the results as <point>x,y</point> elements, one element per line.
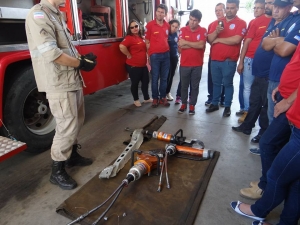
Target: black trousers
<point>173,65</point>
<point>136,75</point>
<point>258,105</point>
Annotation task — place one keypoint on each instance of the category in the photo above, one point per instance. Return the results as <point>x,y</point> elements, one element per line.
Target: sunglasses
<point>136,26</point>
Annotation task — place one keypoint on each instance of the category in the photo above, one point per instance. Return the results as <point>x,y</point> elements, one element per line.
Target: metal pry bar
<point>136,141</point>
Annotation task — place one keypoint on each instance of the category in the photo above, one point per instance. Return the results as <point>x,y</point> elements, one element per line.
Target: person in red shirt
<point>255,32</point>
<point>225,36</point>
<point>156,35</point>
<point>220,13</point>
<point>192,40</point>
<point>134,47</point>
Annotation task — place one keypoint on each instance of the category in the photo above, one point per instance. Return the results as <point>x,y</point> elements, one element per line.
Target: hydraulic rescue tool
<point>176,139</point>
<point>146,162</point>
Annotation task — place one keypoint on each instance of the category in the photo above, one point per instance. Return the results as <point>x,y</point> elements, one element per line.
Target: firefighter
<point>56,64</point>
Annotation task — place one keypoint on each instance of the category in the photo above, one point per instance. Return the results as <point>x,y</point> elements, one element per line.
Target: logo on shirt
<point>38,15</point>
<point>291,28</point>
<point>176,39</point>
<point>261,27</point>
<point>297,38</point>
<point>156,32</point>
<point>244,31</point>
<point>198,37</point>
<point>232,26</point>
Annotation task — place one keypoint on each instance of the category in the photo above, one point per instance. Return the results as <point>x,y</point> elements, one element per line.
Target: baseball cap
<point>283,3</point>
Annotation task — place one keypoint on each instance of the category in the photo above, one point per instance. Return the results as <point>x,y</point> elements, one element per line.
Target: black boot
<point>76,159</point>
<point>60,177</point>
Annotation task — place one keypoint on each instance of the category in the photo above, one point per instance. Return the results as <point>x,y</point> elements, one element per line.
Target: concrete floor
<point>27,196</point>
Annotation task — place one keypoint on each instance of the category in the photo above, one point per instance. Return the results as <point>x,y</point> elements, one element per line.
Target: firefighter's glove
<point>90,56</point>
<point>87,62</point>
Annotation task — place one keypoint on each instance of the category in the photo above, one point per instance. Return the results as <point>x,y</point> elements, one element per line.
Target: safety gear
<point>60,177</point>
<point>76,159</point>
<point>87,62</point>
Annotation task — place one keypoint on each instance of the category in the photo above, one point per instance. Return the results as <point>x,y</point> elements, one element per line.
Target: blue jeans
<point>271,104</point>
<point>283,183</point>
<point>248,81</point>
<point>160,65</point>
<point>223,72</point>
<point>271,142</point>
<point>210,85</point>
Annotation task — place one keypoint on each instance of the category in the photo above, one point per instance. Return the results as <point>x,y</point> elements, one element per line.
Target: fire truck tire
<point>27,115</point>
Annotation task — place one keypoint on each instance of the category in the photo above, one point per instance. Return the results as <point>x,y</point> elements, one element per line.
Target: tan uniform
<point>48,38</point>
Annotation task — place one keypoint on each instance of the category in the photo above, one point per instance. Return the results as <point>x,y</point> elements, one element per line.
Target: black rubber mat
<point>140,201</point>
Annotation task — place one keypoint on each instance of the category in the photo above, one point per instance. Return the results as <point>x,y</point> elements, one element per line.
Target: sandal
<point>236,207</point>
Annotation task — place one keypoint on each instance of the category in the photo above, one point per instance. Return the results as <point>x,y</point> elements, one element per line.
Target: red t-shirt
<point>138,50</point>
<point>293,114</point>
<point>290,77</point>
<point>158,37</point>
<point>256,30</point>
<point>192,56</point>
<point>221,52</point>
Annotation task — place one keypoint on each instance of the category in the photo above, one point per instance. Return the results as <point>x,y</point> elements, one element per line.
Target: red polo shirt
<point>158,37</point>
<point>221,52</point>
<point>256,30</point>
<point>192,56</point>
<point>138,50</point>
<point>293,114</point>
<point>290,77</point>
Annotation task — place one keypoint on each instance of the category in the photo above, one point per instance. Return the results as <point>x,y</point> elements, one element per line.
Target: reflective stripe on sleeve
<point>47,46</point>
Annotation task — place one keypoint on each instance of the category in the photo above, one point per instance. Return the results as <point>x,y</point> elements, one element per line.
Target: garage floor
<point>27,196</point>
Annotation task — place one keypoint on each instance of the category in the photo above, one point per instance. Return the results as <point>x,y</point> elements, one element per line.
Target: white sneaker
<point>169,97</point>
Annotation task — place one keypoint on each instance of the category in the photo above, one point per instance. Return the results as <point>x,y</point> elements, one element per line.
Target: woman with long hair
<point>134,47</point>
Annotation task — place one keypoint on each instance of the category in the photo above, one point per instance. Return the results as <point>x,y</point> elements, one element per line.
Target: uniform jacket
<point>48,38</point>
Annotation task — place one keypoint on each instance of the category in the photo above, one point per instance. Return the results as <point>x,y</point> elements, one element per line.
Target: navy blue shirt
<point>290,30</point>
<point>262,58</point>
<point>172,41</point>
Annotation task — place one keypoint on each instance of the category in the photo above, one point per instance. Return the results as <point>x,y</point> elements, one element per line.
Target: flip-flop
<point>236,207</point>
<point>257,222</point>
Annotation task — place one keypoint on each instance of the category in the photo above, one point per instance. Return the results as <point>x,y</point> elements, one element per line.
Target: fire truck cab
<point>96,26</point>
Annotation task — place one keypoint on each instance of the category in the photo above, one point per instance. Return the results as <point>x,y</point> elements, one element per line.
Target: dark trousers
<point>136,75</point>
<point>210,85</point>
<point>271,142</point>
<point>258,105</point>
<point>173,65</point>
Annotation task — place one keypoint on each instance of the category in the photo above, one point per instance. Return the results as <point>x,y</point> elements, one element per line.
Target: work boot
<point>212,108</point>
<point>251,193</point>
<point>243,117</point>
<point>76,159</point>
<point>226,112</point>
<point>60,177</point>
<point>254,183</point>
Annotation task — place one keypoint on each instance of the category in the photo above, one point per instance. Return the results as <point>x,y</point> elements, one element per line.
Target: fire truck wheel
<point>27,114</point>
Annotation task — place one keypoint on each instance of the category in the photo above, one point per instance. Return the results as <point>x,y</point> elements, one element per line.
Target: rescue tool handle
<point>179,131</point>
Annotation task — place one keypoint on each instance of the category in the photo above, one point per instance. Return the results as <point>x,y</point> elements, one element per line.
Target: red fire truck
<point>96,26</point>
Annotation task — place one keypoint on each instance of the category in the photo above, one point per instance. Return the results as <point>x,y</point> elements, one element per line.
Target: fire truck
<point>96,26</point>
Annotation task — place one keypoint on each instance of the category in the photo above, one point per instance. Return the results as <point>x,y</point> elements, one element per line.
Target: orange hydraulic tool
<point>189,152</point>
<point>176,138</point>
